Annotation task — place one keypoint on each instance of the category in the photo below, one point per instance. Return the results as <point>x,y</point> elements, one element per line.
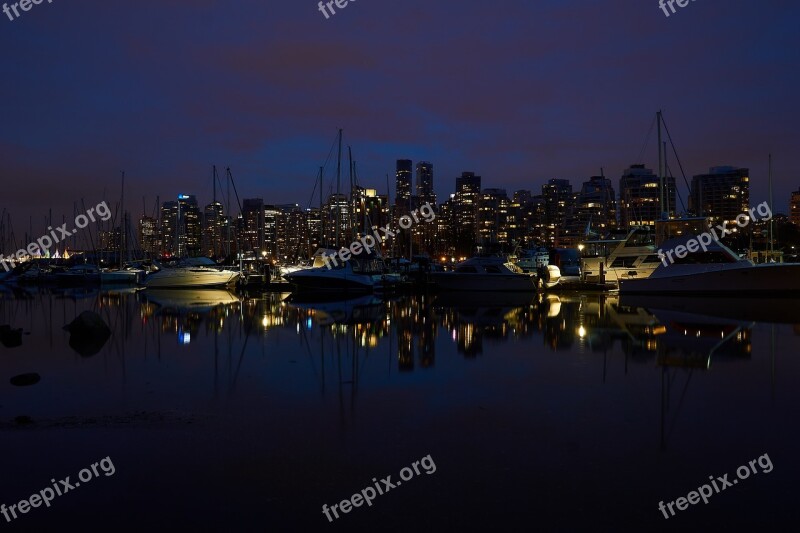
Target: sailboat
<point>124,275</point>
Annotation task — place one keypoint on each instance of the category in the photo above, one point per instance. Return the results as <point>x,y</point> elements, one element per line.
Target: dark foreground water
<point>570,413</point>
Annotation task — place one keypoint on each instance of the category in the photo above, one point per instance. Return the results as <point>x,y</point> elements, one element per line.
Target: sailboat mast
<point>660,165</point>
<point>123,244</point>
<point>771,207</point>
<point>321,214</point>
<point>338,189</point>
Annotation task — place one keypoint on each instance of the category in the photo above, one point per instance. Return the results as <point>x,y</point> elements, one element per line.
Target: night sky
<point>517,91</point>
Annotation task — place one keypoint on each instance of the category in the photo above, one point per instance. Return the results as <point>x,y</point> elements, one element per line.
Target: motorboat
<point>78,275</point>
<point>125,276</point>
<point>494,274</point>
<point>193,274</point>
<point>714,269</point>
<point>631,255</point>
<point>531,260</point>
<point>364,272</point>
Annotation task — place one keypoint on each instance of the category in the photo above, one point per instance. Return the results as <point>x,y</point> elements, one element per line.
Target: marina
<point>416,267</point>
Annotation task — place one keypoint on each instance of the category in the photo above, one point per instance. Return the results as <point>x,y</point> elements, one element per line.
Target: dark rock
<point>23,380</point>
<point>23,420</point>
<point>10,338</point>
<point>88,333</point>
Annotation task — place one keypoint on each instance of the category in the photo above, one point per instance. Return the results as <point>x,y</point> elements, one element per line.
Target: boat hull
<point>771,279</point>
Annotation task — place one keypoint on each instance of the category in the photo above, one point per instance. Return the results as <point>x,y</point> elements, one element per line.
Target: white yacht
<point>493,274</point>
<point>715,270</point>
<point>631,257</point>
<point>125,276</point>
<point>198,274</point>
<point>361,273</point>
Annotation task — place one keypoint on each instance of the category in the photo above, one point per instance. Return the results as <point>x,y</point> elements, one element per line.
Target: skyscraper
<point>722,194</point>
<point>180,226</point>
<point>558,204</point>
<point>465,212</point>
<point>640,197</point>
<point>252,238</point>
<point>492,221</point>
<point>403,185</point>
<point>596,207</point>
<point>425,191</point>
<point>794,208</point>
<point>213,230</point>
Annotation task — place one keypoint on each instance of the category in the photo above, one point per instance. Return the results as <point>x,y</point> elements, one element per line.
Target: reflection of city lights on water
<point>581,332</point>
<point>308,323</point>
<point>184,337</point>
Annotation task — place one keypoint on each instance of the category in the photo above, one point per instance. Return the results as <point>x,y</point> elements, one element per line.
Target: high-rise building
<point>403,185</point>
<point>722,194</point>
<point>425,191</point>
<point>794,208</point>
<point>148,235</point>
<point>214,230</point>
<point>558,204</point>
<point>253,231</point>
<point>640,197</point>
<point>180,226</point>
<point>465,213</point>
<point>596,207</point>
<point>291,232</point>
<point>492,221</point>
<point>272,218</point>
<point>336,215</point>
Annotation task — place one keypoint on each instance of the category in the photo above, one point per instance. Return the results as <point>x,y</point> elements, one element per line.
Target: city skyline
<point>265,94</point>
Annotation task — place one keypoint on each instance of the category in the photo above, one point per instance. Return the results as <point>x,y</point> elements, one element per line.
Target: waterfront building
<point>640,197</point>
<point>492,219</point>
<point>722,194</point>
<point>465,212</point>
<point>794,207</point>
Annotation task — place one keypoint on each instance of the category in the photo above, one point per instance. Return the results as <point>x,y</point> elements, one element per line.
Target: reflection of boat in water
<point>492,274</point>
<point>485,309</point>
<point>484,299</point>
<point>360,309</point>
<point>199,301</point>
<point>749,309</point>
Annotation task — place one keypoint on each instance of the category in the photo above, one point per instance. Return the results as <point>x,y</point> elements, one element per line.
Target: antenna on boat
<point>660,165</point>
<point>338,189</point>
<point>771,242</point>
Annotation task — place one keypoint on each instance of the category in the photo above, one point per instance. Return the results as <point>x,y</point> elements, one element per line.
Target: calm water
<point>558,413</point>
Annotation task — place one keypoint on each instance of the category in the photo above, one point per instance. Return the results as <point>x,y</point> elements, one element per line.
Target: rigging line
<point>646,140</point>
<point>675,151</point>
<point>677,192</point>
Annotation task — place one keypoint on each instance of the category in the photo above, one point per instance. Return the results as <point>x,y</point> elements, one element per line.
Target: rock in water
<point>10,338</point>
<point>88,333</point>
<point>23,380</point>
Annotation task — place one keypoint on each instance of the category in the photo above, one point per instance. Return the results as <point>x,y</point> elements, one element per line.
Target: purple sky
<point>518,91</point>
